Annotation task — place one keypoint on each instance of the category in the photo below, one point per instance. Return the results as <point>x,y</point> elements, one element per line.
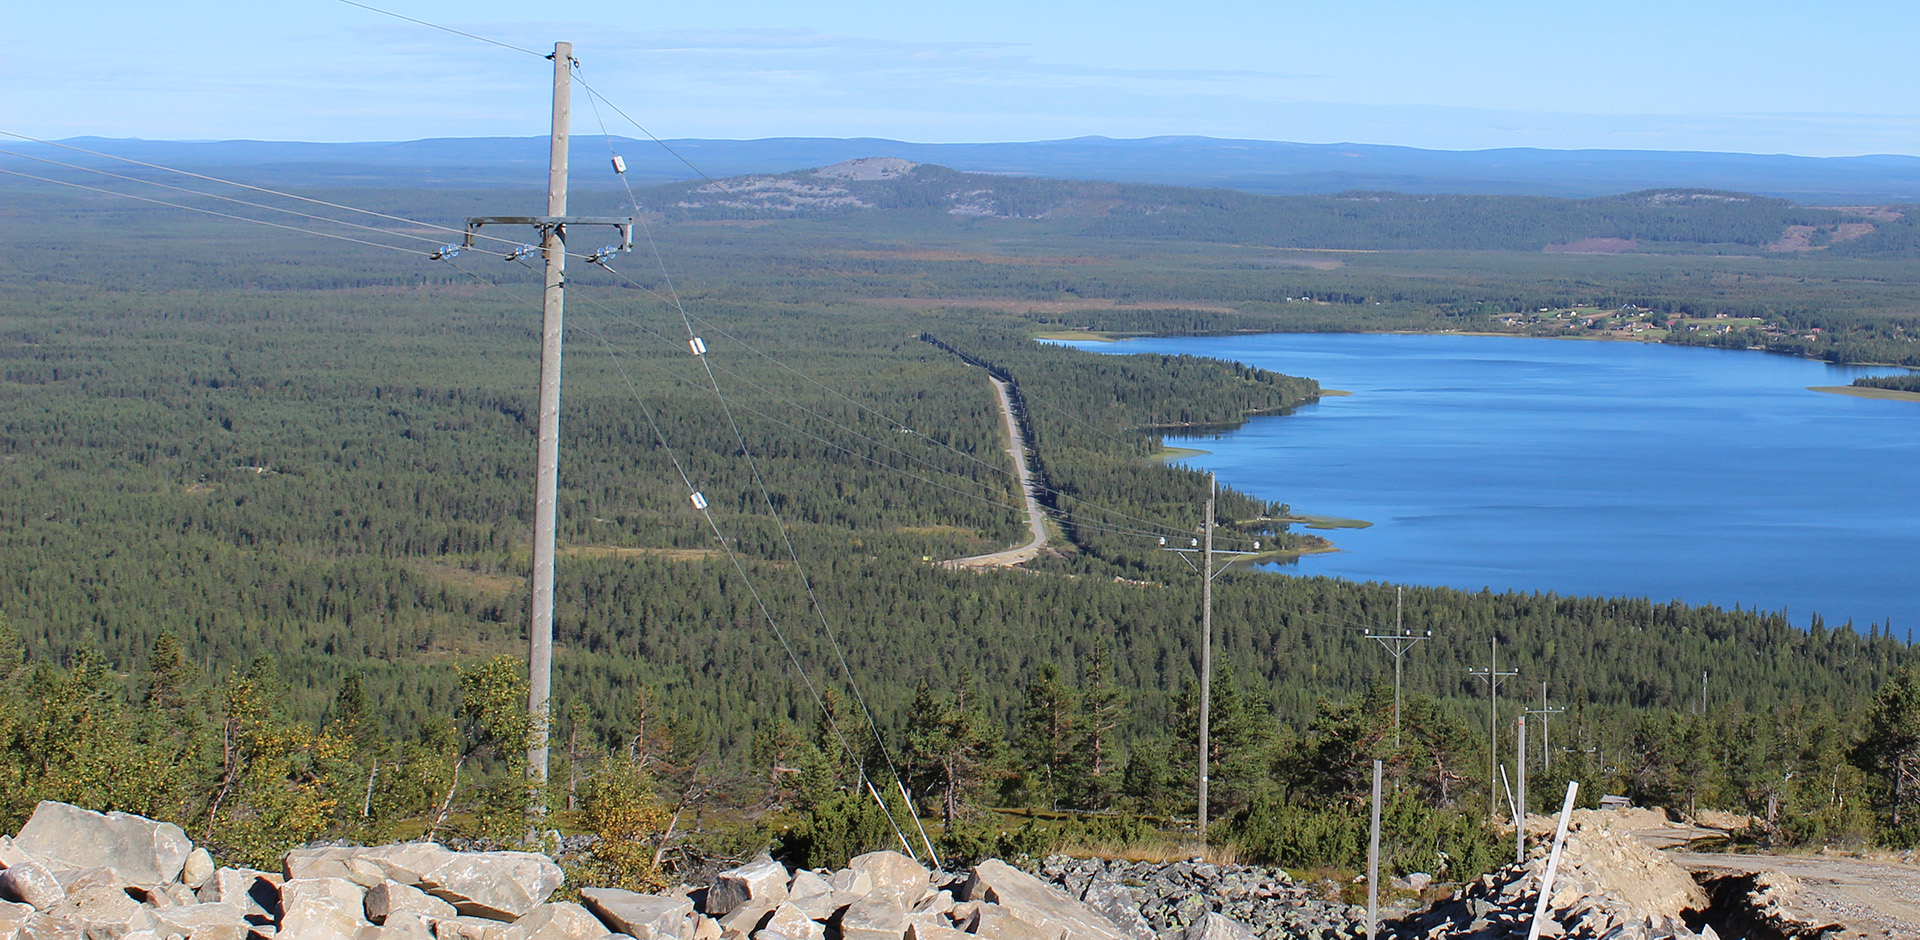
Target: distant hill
<point>1272,167</point>
<point>1659,220</point>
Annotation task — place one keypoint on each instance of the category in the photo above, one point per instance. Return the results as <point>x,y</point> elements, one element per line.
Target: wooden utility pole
<point>1493,675</point>
<point>1204,547</point>
<point>1545,712</point>
<point>1398,643</point>
<point>553,249</point>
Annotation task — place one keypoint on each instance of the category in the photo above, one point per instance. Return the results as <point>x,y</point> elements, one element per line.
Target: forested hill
<point>1664,221</point>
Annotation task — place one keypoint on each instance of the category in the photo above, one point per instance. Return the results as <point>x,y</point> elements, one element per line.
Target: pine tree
<point>1047,744</point>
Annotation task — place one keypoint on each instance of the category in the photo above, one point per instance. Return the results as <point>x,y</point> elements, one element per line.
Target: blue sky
<point>1764,77</point>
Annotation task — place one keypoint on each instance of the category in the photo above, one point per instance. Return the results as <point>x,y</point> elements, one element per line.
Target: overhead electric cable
<point>705,511</point>
<point>224,215</point>
<point>243,202</point>
<point>263,189</point>
<point>448,29</point>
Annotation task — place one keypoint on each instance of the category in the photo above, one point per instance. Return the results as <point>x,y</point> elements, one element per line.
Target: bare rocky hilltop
<point>75,874</point>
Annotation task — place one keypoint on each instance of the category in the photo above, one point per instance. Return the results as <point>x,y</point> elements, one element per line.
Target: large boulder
<point>641,916</point>
<point>563,921</point>
<point>320,908</point>
<point>49,927</point>
<point>792,923</point>
<point>874,917</point>
<point>894,875</point>
<point>204,922</point>
<point>762,884</point>
<point>256,893</point>
<point>31,883</point>
<point>469,928</point>
<point>389,898</point>
<point>496,885</point>
<point>14,916</point>
<point>812,894</point>
<point>397,927</point>
<point>105,910</point>
<point>405,862</point>
<point>1036,902</point>
<point>920,931</point>
<point>143,850</point>
<point>994,922</point>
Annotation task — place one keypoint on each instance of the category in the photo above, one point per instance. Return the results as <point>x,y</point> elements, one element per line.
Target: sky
<point>1756,76</point>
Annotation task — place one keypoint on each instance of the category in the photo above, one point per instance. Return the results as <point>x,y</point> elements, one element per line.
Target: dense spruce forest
<point>266,488</point>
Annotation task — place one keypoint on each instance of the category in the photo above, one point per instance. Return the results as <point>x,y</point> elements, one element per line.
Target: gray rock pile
<point>1611,886</point>
<point>1163,901</point>
<point>74,874</point>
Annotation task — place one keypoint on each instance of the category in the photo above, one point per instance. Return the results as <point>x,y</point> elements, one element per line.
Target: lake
<point>1600,468</point>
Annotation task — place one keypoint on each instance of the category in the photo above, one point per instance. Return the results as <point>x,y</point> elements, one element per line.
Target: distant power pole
<point>1208,573</point>
<point>1398,643</point>
<point>553,249</point>
<point>1493,675</point>
<point>1546,753</point>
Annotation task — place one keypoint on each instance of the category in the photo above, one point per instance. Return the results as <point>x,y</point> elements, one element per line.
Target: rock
<point>812,894</point>
<point>939,902</point>
<point>761,883</point>
<point>1037,902</point>
<point>64,836</point>
<point>31,883</point>
<point>496,885</point>
<point>256,893</point>
<point>197,868</point>
<point>742,921</point>
<point>894,875</point>
<point>11,855</point>
<point>851,885</point>
<point>1112,900</point>
<point>47,927</point>
<point>397,927</point>
<point>319,908</point>
<point>13,916</point>
<point>705,928</point>
<point>997,923</point>
<point>104,909</point>
<point>794,924</point>
<point>391,897</point>
<point>462,927</point>
<point>874,917</point>
<point>642,916</point>
<point>365,873</point>
<point>562,921</point>
<point>920,931</point>
<point>1418,881</point>
<point>1212,926</point>
<point>204,922</point>
<point>406,862</point>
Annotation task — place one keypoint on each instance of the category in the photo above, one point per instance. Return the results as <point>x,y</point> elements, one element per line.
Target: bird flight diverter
<point>698,345</point>
<point>619,164</point>
<point>699,501</point>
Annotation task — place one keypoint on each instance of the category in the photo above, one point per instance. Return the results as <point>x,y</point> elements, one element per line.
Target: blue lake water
<point>1616,469</point>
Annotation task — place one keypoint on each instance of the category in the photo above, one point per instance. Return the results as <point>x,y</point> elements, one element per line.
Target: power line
<point>224,215</point>
<point>250,186</point>
<point>243,202</point>
<point>447,29</point>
